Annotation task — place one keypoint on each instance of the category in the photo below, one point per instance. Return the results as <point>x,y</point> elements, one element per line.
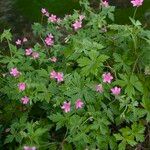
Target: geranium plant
<point>79,83</point>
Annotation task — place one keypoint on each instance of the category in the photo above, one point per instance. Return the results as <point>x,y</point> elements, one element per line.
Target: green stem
<point>123,113</point>
<point>135,63</point>
<point>42,19</point>
<point>134,42</point>
<point>48,53</point>
<point>64,139</point>
<point>9,48</point>
<point>135,12</point>
<point>113,70</point>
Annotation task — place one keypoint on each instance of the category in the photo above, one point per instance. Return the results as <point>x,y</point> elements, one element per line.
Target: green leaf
<point>138,132</point>
<point>135,22</point>
<point>131,84</point>
<point>92,64</point>
<point>136,83</point>
<point>9,139</point>
<point>84,61</point>
<point>37,28</point>
<point>122,145</point>
<point>67,146</point>
<point>6,35</point>
<point>118,137</point>
<point>59,119</point>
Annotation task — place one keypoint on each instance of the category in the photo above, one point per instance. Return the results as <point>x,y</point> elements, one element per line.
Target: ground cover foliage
<point>80,82</point>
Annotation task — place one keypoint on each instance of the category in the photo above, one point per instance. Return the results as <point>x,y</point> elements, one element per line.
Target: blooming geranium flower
<point>52,18</point>
<point>77,24</point>
<point>28,51</point>
<point>105,3</point>
<point>29,148</point>
<point>66,106</point>
<point>99,88</point>
<point>18,42</point>
<point>58,20</point>
<point>22,86</point>
<point>107,77</point>
<point>49,40</point>
<point>35,55</point>
<point>25,100</point>
<point>44,11</point>
<point>79,104</point>
<point>25,39</point>
<point>53,74</point>
<point>14,72</point>
<point>81,17</point>
<point>53,59</point>
<point>59,77</point>
<point>7,130</point>
<point>47,14</point>
<point>137,3</point>
<point>116,90</point>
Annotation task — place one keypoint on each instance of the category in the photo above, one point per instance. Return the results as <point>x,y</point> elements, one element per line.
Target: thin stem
<point>135,12</point>
<point>113,70</point>
<point>48,53</point>
<point>47,144</point>
<point>135,65</point>
<point>134,42</point>
<point>123,113</point>
<point>84,121</point>
<point>62,143</point>
<point>111,102</point>
<point>9,47</point>
<point>135,51</point>
<point>42,19</point>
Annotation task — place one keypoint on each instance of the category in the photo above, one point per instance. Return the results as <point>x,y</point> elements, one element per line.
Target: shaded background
<point>20,14</point>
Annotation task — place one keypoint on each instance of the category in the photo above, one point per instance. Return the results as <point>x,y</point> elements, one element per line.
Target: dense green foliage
<point>106,121</point>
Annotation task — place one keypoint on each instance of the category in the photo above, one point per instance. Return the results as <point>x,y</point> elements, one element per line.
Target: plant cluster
<point>81,82</point>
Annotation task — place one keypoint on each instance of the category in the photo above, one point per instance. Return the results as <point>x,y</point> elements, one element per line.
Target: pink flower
<point>59,77</point>
<point>44,11</point>
<point>79,104</point>
<point>107,77</point>
<point>99,88</point>
<point>25,39</point>
<point>50,36</point>
<point>53,74</point>
<point>35,55</point>
<point>29,148</point>
<point>53,59</point>
<point>25,100</point>
<point>77,25</point>
<point>103,29</point>
<point>14,72</point>
<point>105,3</point>
<point>4,75</point>
<point>47,14</point>
<point>66,106</point>
<point>58,20</point>
<point>49,40</point>
<point>21,86</point>
<point>7,130</point>
<point>18,42</point>
<point>137,3</point>
<point>52,18</point>
<point>28,51</point>
<point>116,90</point>
<point>81,17</point>
<point>67,16</point>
